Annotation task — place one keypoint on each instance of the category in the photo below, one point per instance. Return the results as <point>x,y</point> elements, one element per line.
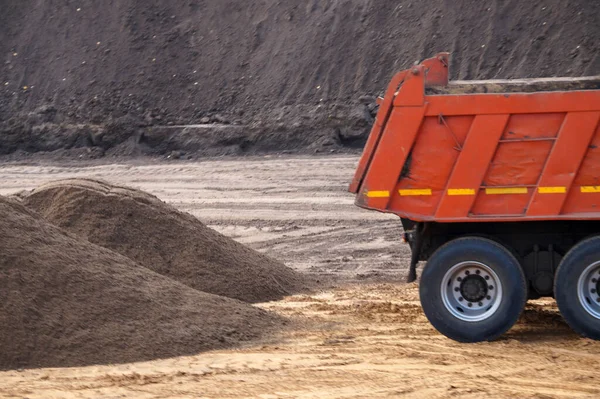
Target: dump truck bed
<point>504,150</point>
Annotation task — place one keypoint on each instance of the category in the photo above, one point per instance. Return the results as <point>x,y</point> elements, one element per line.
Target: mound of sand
<point>67,302</point>
<point>159,237</point>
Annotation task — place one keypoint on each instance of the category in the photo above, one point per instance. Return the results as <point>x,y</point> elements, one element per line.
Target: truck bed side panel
<point>485,157</point>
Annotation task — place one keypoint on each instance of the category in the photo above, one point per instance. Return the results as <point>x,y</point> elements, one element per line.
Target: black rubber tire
<point>565,287</point>
<point>495,256</point>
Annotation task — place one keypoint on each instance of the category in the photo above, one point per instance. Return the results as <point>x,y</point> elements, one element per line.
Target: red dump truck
<point>497,184</point>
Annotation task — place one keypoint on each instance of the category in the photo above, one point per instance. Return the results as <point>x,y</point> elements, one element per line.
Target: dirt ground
<point>362,335</point>
<point>296,209</point>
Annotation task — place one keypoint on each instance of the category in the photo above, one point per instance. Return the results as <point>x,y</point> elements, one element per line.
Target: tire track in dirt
<point>296,209</point>
<point>358,341</point>
<point>364,341</point>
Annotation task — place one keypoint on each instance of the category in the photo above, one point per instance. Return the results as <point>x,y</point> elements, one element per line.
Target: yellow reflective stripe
<point>461,191</point>
<point>489,191</point>
<point>552,190</point>
<point>415,192</point>
<point>378,194</point>
<point>508,190</point>
<point>590,189</point>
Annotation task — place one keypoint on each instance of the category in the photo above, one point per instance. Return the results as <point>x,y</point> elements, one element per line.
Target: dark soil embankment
<point>67,302</point>
<point>240,62</point>
<point>163,239</point>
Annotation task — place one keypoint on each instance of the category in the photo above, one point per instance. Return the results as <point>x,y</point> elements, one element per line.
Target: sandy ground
<point>362,337</point>
<point>296,209</point>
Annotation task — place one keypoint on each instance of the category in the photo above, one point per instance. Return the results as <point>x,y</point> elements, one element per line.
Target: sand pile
<point>67,302</point>
<point>159,237</point>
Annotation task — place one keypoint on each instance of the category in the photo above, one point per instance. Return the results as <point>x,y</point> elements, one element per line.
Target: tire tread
<point>485,244</point>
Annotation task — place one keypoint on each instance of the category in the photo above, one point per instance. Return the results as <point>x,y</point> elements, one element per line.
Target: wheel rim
<point>471,291</point>
<point>588,288</point>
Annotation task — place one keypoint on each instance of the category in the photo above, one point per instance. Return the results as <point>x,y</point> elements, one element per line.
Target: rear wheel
<point>473,289</point>
<point>577,288</point>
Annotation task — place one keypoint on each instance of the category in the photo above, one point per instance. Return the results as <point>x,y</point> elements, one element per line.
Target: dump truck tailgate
<point>482,151</point>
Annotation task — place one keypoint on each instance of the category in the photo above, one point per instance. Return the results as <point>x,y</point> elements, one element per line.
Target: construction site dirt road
<point>361,334</point>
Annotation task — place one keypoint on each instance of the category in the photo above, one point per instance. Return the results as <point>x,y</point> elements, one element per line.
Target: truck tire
<point>473,289</point>
<point>577,286</point>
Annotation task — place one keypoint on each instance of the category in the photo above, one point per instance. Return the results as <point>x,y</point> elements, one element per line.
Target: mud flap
<point>416,247</point>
